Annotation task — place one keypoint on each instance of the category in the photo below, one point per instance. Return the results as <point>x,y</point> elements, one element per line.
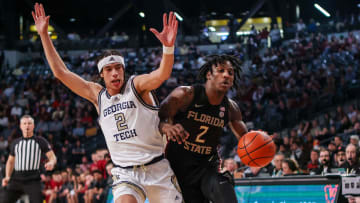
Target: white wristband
<point>168,50</point>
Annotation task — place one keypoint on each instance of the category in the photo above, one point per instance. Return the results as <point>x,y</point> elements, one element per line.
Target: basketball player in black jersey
<point>193,118</point>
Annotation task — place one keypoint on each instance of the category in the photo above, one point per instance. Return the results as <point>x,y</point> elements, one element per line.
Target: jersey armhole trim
<point>99,101</point>
<point>152,94</point>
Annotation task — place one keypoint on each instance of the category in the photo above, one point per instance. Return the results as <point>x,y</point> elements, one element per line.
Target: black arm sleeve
<point>12,148</point>
<point>44,145</point>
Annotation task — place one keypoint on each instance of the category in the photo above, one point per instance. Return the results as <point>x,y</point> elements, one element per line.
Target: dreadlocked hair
<point>219,60</point>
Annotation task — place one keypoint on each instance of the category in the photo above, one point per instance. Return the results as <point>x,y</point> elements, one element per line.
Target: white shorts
<point>156,182</point>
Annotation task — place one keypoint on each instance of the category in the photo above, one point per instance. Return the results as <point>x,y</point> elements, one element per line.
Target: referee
<point>25,157</point>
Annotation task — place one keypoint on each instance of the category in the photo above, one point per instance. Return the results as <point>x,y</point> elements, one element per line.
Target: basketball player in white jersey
<point>127,115</point>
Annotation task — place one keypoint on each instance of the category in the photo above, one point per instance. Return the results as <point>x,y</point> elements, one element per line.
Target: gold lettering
<point>212,121</point>
<point>216,122</point>
<point>202,118</point>
<point>222,123</point>
<point>190,114</point>
<point>192,146</point>
<point>208,150</point>
<point>186,145</point>
<point>196,117</point>
<point>197,149</point>
<point>208,118</point>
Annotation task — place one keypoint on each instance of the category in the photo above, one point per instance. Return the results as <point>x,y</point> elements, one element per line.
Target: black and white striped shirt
<point>27,153</point>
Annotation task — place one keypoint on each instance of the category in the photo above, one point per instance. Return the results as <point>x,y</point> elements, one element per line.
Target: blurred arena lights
<point>212,29</point>
<point>178,16</point>
<point>142,14</point>
<point>323,11</point>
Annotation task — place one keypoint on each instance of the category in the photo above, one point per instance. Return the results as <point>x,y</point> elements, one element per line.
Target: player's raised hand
<point>175,132</point>
<point>41,20</point>
<point>168,35</point>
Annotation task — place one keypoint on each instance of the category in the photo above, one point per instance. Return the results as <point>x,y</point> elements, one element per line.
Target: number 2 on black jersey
<point>198,137</point>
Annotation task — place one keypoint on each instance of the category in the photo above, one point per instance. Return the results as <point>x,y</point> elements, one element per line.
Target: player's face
<point>113,75</point>
<point>222,76</point>
<point>27,126</point>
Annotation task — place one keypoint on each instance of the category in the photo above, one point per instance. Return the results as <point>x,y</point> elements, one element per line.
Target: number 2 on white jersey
<point>120,121</point>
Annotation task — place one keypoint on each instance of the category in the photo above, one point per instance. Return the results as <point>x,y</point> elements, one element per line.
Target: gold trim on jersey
<point>131,185</point>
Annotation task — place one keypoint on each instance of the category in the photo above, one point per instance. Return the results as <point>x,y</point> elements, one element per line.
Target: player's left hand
<point>168,35</point>
<point>176,132</point>
<point>49,166</point>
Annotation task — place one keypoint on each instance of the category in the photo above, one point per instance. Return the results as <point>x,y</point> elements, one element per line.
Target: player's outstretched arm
<point>236,124</point>
<point>167,36</point>
<point>83,88</point>
<point>178,100</point>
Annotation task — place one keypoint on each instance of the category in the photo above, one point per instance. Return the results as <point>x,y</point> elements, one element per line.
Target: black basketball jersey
<point>204,122</point>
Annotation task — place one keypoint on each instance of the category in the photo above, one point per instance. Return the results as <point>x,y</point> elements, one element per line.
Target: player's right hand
<point>5,181</point>
<point>41,20</point>
<point>175,132</point>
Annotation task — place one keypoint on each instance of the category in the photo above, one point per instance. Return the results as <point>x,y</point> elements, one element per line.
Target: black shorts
<point>198,177</point>
<point>16,188</point>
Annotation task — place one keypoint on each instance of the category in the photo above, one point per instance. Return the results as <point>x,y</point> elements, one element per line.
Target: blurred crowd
<point>303,92</point>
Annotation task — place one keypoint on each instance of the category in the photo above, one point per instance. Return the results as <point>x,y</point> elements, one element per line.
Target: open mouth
<point>116,82</point>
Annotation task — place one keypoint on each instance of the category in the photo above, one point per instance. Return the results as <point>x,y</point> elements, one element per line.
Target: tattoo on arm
<point>178,100</point>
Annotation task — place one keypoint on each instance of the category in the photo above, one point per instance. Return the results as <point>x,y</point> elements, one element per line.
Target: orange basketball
<point>256,149</point>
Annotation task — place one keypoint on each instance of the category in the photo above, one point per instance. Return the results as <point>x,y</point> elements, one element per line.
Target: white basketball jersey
<point>130,126</point>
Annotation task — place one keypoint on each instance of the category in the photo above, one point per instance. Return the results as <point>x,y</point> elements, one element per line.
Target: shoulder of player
<point>234,110</point>
<point>180,98</point>
<point>95,89</point>
<point>183,91</point>
<point>233,105</point>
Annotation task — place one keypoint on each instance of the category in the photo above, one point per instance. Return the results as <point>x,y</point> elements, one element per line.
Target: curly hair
<point>218,60</point>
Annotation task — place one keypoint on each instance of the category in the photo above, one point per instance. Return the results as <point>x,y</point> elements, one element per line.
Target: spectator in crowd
<point>298,154</point>
<point>229,165</point>
<point>352,160</point>
<point>354,139</point>
<point>338,141</point>
<point>289,167</point>
<point>325,162</point>
<point>276,165</point>
<point>93,194</point>
<point>313,164</point>
<point>340,157</point>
